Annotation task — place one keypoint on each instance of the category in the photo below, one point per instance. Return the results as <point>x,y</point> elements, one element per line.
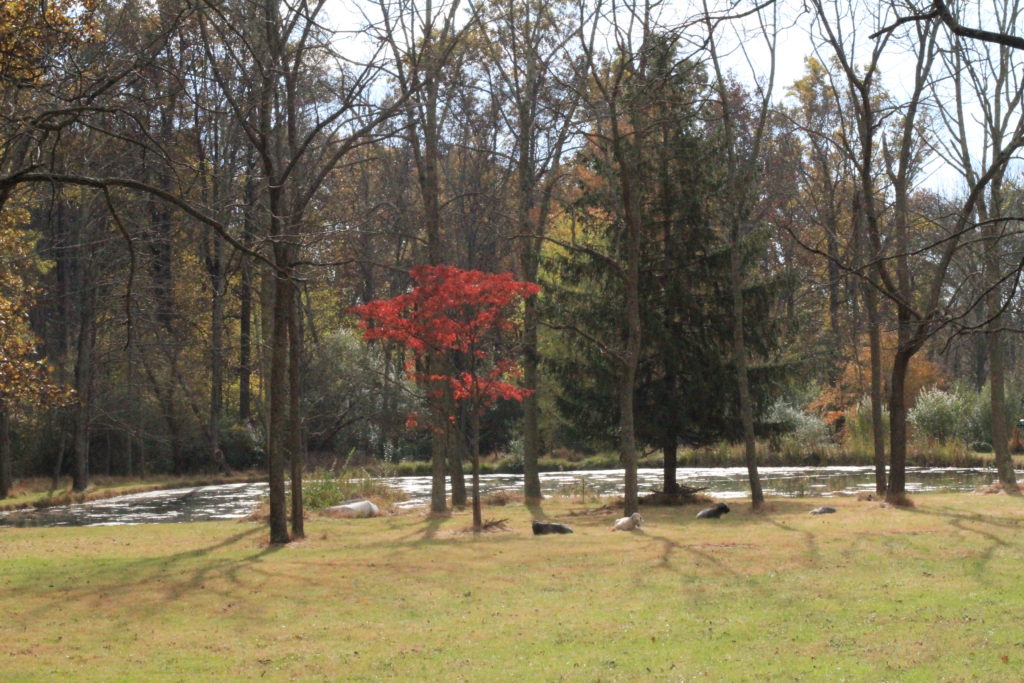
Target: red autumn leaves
<point>453,310</point>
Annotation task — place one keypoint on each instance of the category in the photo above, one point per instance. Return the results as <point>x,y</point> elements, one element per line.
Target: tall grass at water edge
<point>326,487</point>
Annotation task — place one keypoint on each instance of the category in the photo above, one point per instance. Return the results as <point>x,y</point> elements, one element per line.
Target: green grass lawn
<point>870,593</point>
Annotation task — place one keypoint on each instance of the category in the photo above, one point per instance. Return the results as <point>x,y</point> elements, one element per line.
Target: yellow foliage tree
<point>24,377</point>
<point>30,30</point>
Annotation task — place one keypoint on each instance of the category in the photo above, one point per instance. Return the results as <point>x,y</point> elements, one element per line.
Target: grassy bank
<point>870,593</point>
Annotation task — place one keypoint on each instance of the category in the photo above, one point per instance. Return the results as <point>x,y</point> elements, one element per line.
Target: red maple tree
<point>451,310</point>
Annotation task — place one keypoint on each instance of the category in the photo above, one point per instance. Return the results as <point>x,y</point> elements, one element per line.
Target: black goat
<point>713,513</point>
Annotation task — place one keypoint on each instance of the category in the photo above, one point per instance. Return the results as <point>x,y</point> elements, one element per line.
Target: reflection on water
<point>232,501</point>
<point>727,482</point>
<point>226,501</point>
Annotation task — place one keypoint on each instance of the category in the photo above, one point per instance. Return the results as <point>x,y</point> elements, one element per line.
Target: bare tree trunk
<point>442,434</point>
<point>6,479</point>
<point>997,366</point>
<point>245,346</point>
<point>742,171</point>
<point>896,491</point>
<point>530,35</point>
<point>670,454</point>
<point>877,423</point>
<point>631,357</point>
<point>438,448</point>
<point>1000,436</point>
<point>870,296</point>
<point>739,346</point>
<point>294,407</point>
<point>278,417</point>
<point>165,398</point>
<point>440,445</point>
<point>58,464</point>
<point>627,437</point>
<point>531,405</point>
<point>630,360</point>
<point>834,298</point>
<point>994,337</point>
<point>245,310</point>
<point>458,446</point>
<point>431,33</point>
<point>83,387</point>
<point>474,422</point>
<point>218,284</point>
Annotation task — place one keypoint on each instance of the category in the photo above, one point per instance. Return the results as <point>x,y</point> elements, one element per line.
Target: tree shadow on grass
<point>175,575</point>
<point>699,552</point>
<point>968,522</point>
<point>431,527</point>
<point>425,532</point>
<point>430,530</point>
<point>809,538</point>
<point>1015,523</point>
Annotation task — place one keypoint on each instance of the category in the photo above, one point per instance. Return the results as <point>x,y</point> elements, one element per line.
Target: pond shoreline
<point>501,467</point>
<point>58,497</point>
<point>238,500</point>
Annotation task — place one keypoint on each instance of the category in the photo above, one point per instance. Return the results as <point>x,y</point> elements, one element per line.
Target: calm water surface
<point>232,501</point>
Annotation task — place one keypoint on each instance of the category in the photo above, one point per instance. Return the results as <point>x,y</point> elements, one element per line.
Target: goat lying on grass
<point>713,513</point>
<point>628,523</point>
<point>540,528</point>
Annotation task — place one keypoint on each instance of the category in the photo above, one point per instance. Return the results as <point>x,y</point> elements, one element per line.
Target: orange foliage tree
<point>836,401</point>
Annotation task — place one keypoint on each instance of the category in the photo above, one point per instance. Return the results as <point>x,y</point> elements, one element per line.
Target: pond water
<point>233,501</point>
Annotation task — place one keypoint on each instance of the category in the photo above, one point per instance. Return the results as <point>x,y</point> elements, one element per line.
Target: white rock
<point>360,508</point>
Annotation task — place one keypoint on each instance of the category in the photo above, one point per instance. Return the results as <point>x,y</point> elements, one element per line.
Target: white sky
<point>794,44</point>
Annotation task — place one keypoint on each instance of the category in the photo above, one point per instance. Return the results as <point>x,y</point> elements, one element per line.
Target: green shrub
<point>549,464</point>
<point>242,446</point>
<point>961,413</point>
<point>601,461</point>
<point>980,423</point>
<point>411,468</point>
<point>324,488</point>
<point>803,437</point>
<point>942,415</point>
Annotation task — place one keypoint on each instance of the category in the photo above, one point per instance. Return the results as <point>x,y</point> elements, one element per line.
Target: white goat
<point>628,523</point>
